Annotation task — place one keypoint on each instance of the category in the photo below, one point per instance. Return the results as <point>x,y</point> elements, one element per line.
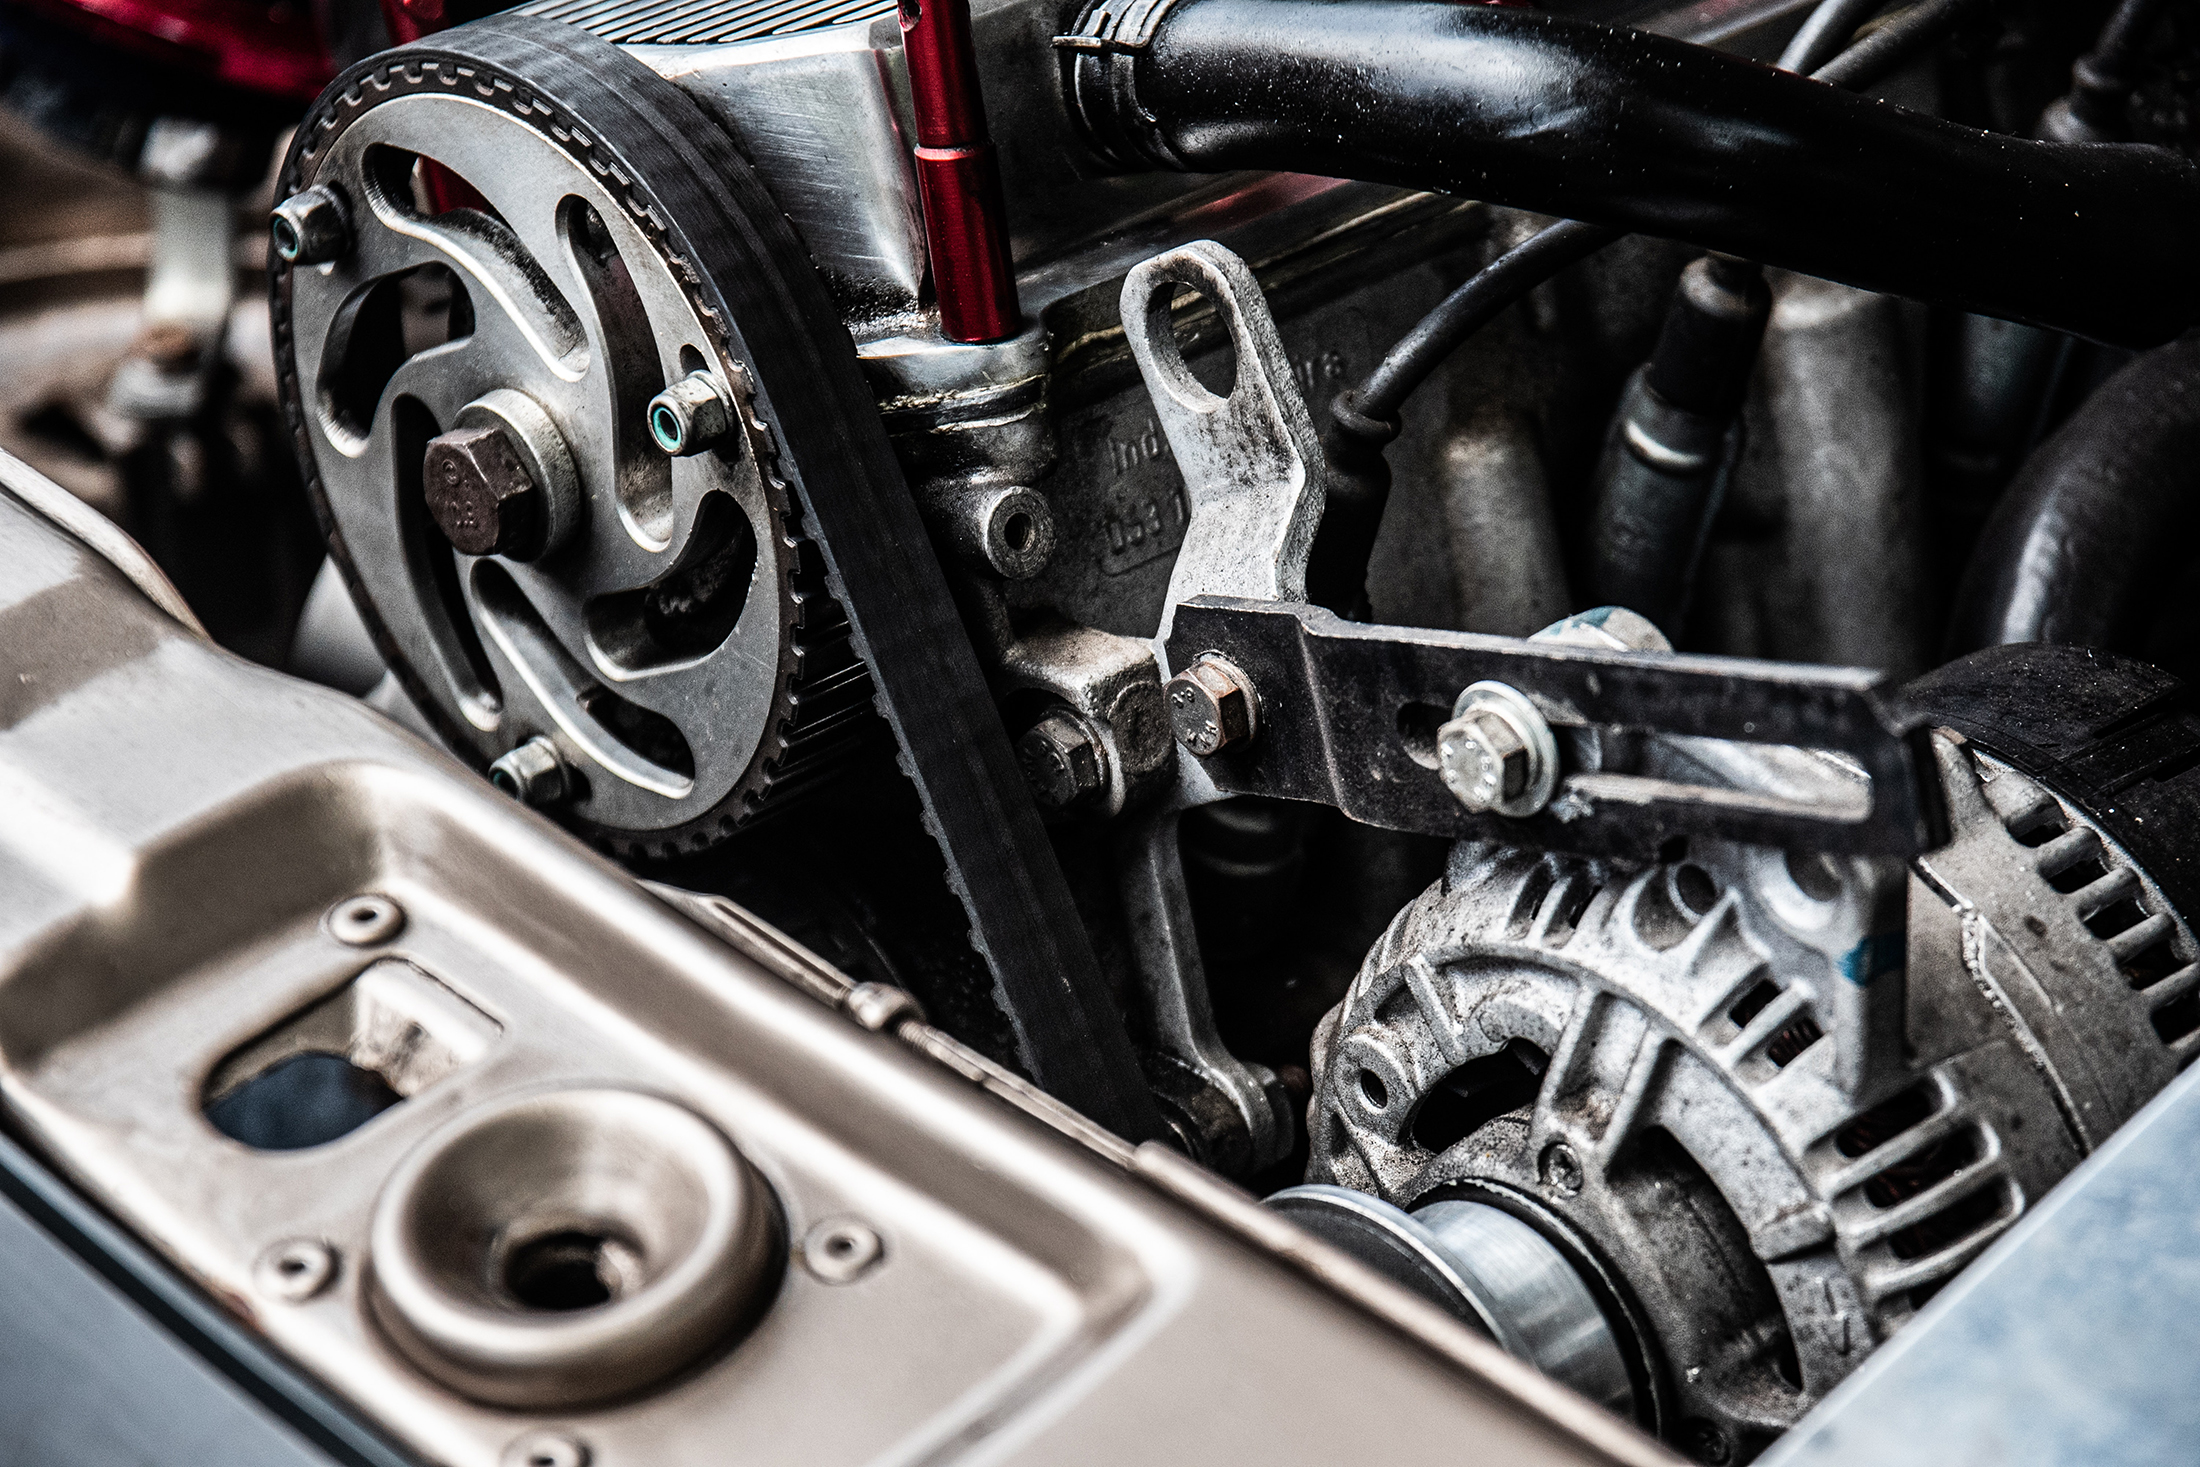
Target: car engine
<point>1062,730</point>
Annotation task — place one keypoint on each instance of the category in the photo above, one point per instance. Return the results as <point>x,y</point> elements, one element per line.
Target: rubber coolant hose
<point>1656,136</point>
<point>2089,539</point>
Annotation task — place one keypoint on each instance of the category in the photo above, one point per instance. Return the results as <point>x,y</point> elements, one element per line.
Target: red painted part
<point>958,181</point>
<point>963,228</point>
<point>409,20</point>
<point>272,49</point>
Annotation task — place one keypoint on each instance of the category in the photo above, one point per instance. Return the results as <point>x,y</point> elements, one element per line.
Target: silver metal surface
<point>480,1232</point>
<point>1041,1300</point>
<point>2070,1341</point>
<point>1489,1268</point>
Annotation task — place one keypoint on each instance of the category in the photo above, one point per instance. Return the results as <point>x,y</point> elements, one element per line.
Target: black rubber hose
<point>1651,135</point>
<point>1826,32</point>
<point>2087,541</point>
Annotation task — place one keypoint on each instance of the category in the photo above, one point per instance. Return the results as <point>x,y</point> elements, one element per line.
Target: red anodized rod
<point>958,178</point>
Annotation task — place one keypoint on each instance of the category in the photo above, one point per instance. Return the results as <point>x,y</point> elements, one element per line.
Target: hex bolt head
<point>481,495</point>
<point>1484,760</point>
<point>533,774</point>
<point>1212,706</point>
<point>311,228</point>
<point>692,414</point>
<point>1061,758</point>
<point>1497,753</point>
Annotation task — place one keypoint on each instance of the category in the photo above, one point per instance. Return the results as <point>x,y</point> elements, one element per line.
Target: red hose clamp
<point>958,178</point>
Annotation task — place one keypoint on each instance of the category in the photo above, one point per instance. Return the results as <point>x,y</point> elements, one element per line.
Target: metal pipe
<point>958,177</point>
<point>1624,128</point>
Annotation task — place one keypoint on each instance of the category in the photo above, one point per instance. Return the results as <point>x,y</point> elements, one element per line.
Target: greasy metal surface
<point>2071,1340</point>
<point>1343,703</point>
<point>1033,1302</point>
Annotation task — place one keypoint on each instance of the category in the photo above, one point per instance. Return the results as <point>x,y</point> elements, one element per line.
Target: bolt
<point>481,496</point>
<point>1212,706</point>
<point>311,228</point>
<point>1561,1168</point>
<point>1061,759</point>
<point>532,774</point>
<point>365,921</point>
<point>1497,752</point>
<point>691,414</point>
<point>840,1250</point>
<point>1484,760</point>
<point>295,1271</point>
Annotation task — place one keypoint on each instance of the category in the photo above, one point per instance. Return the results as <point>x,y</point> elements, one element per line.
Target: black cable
<point>1898,42</point>
<point>1826,33</point>
<point>1468,309</point>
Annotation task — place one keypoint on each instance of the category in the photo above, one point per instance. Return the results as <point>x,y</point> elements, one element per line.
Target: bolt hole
<point>1017,531</point>
<point>292,1266</point>
<point>505,781</point>
<point>1373,1090</point>
<point>1815,875</point>
<point>286,239</point>
<point>564,1271</point>
<point>841,1245</point>
<point>1697,891</point>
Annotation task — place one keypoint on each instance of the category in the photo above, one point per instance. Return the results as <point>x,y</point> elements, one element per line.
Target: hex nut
<point>296,1270</point>
<point>692,414</point>
<point>481,495</point>
<point>311,228</point>
<point>1497,753</point>
<point>1212,706</point>
<point>1062,761</point>
<point>840,1250</point>
<point>533,774</point>
<point>365,921</point>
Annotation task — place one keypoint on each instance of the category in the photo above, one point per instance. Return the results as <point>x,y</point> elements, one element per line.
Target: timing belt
<point>834,454</point>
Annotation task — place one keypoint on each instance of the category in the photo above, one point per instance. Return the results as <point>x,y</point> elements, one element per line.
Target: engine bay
<point>1017,730</point>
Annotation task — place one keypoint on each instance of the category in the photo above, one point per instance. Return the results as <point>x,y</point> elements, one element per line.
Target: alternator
<point>1642,1066</point>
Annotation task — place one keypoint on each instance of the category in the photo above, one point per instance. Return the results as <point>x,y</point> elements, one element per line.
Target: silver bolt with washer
<point>533,773</point>
<point>1212,706</point>
<point>295,1271</point>
<point>839,1250</point>
<point>1498,753</point>
<point>691,414</point>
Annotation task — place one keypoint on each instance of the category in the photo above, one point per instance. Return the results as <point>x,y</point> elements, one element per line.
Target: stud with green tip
<point>312,227</point>
<point>691,415</point>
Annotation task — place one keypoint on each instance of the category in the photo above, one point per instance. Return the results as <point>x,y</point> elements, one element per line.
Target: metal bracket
<point>1349,713</point>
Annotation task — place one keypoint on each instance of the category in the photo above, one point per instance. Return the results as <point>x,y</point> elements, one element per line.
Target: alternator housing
<point>1643,1064</point>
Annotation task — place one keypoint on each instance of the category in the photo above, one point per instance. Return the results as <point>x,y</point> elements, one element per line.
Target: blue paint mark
<point>1882,952</point>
